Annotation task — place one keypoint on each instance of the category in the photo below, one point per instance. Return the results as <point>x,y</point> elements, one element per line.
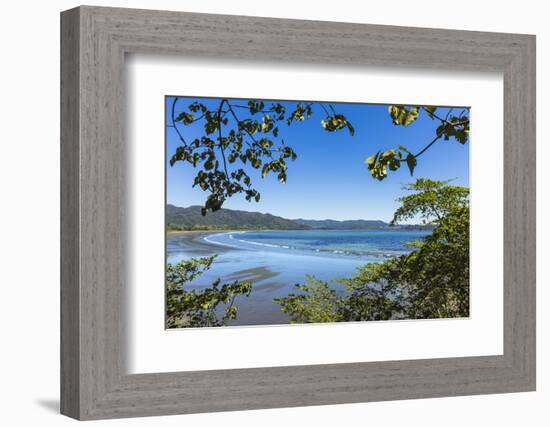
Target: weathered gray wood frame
<point>94,41</point>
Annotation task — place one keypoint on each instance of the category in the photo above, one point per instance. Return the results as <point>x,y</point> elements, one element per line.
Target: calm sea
<point>276,260</point>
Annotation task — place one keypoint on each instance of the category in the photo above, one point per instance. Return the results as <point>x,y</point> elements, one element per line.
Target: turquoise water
<point>372,245</point>
<point>276,260</point>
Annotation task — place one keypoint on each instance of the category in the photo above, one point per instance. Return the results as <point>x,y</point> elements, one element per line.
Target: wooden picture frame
<point>94,41</point>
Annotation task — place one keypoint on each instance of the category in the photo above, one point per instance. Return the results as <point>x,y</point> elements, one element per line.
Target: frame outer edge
<point>70,396</point>
<point>527,78</point>
<point>92,40</point>
<point>520,215</point>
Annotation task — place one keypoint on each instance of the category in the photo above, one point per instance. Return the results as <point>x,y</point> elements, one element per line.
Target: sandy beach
<point>193,243</point>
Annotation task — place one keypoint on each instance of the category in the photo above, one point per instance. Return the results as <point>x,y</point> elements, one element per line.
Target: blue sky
<point>329,179</point>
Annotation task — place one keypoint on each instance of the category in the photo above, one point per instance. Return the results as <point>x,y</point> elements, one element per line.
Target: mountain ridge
<point>190,218</point>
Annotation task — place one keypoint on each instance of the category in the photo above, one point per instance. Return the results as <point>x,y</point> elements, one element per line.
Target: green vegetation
<point>237,133</point>
<point>213,306</point>
<point>317,303</point>
<point>430,282</point>
<point>191,218</point>
<point>456,127</point>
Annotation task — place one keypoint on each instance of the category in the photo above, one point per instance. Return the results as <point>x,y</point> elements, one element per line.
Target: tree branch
<point>429,145</point>
<point>239,122</point>
<point>174,121</point>
<point>222,148</point>
<point>324,108</point>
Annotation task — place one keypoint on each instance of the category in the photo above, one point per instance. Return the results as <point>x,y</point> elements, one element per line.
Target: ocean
<point>277,260</point>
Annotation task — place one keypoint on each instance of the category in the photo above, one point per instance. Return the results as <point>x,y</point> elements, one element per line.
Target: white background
<point>29,168</point>
<point>152,349</point>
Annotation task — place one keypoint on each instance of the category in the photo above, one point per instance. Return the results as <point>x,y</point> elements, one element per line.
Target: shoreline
<point>198,242</point>
<point>176,232</point>
<point>194,241</point>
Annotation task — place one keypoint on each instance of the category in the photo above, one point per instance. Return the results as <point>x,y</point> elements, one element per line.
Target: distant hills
<point>225,219</point>
<point>190,218</point>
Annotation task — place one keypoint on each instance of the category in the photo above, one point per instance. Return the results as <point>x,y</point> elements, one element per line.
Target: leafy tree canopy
<point>238,133</point>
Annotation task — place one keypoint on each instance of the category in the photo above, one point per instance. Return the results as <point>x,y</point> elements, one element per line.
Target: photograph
<point>294,211</point>
<point>276,216</point>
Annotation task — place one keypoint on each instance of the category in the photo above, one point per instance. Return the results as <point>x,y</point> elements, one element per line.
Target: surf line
<point>212,242</point>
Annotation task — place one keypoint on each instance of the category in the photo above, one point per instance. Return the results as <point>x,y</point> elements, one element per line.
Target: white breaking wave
<point>207,239</point>
<point>259,244</point>
<point>243,244</point>
<point>249,242</point>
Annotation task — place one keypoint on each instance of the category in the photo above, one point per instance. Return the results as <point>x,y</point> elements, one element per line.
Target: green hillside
<point>190,218</point>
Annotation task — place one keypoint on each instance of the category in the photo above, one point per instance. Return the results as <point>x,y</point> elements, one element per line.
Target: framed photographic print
<point>292,213</point>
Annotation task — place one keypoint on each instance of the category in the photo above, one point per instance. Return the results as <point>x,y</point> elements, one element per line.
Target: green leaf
<point>462,135</point>
<point>372,159</point>
<point>255,106</point>
<point>403,116</point>
<point>209,164</point>
<point>411,163</point>
<point>186,118</point>
<point>337,122</point>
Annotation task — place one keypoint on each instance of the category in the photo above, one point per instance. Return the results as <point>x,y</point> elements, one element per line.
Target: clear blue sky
<point>329,179</point>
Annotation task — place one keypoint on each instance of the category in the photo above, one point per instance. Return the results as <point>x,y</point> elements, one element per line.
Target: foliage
<point>431,201</point>
<point>432,281</point>
<point>196,308</point>
<point>241,133</point>
<point>317,303</point>
<point>231,141</point>
<point>403,116</point>
<point>451,126</point>
<point>239,136</point>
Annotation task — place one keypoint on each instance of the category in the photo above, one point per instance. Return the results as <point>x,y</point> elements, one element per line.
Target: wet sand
<point>234,264</point>
<point>194,244</point>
